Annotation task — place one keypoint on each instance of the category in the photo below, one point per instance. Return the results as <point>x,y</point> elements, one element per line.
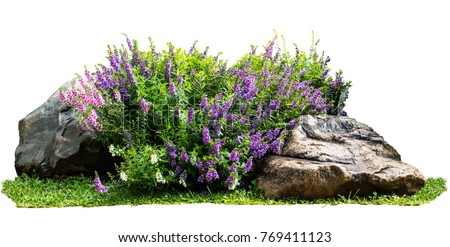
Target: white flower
<point>154,159</point>
<point>160,178</point>
<point>182,182</point>
<point>111,150</point>
<point>123,176</point>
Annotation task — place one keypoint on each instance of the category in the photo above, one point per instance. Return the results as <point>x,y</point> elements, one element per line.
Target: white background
<point>396,53</point>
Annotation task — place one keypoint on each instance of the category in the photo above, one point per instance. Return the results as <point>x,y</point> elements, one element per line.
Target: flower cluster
<point>184,118</point>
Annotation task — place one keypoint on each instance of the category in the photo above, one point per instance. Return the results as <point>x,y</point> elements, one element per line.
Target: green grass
<point>31,192</point>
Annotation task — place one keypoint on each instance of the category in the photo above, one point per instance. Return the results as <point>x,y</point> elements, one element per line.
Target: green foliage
<point>32,192</point>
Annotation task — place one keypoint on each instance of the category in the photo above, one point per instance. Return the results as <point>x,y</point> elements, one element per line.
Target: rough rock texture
<point>52,143</point>
<point>326,156</point>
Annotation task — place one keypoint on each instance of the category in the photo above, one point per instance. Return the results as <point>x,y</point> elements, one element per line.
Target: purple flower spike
<point>211,175</point>
<point>292,124</point>
<point>248,165</point>
<point>144,105</point>
<point>184,156</point>
<point>275,147</point>
<point>99,186</point>
<point>172,88</point>
<point>168,69</point>
<point>234,156</point>
<point>206,137</point>
<point>204,103</point>
<point>190,114</point>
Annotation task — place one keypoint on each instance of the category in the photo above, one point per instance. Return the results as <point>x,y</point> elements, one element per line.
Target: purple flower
<point>276,131</point>
<point>250,89</point>
<point>244,120</point>
<point>172,151</point>
<point>275,147</point>
<point>269,49</point>
<point>342,112</point>
<point>193,72</point>
<point>190,114</point>
<point>99,186</point>
<point>229,180</point>
<point>144,105</point>
<point>130,46</point>
<point>199,165</point>
<point>248,165</point>
<point>226,107</point>
<point>218,131</point>
<point>337,82</point>
<point>204,103</point>
<point>184,156</point>
<point>201,179</point>
<point>231,117</point>
<point>274,105</point>
<point>258,147</point>
<point>177,170</point>
<point>168,69</point>
<point>114,62</point>
<point>282,87</point>
<point>294,104</point>
<point>183,176</point>
<point>214,112</point>
<point>234,156</point>
<point>191,50</point>
<point>316,96</point>
<point>277,56</point>
<point>306,93</point>
<point>180,80</point>
<point>172,88</point>
<point>205,53</point>
<point>266,73</point>
<point>211,175</point>
<point>292,124</point>
<point>117,96</point>
<point>206,138</point>
<point>240,138</point>
<point>217,146</point>
<point>325,74</point>
<point>143,68</point>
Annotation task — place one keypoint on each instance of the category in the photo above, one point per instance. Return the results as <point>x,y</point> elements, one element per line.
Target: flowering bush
<point>184,117</point>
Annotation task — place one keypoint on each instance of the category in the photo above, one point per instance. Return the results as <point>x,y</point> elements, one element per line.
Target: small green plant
<point>184,118</point>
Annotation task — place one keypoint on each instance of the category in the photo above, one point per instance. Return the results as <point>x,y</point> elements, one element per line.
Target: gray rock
<point>53,143</point>
<point>326,156</point>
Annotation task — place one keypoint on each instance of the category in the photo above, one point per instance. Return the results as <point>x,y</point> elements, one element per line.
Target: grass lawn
<point>31,192</point>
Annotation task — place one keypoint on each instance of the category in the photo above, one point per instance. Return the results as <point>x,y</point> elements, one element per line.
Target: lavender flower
<point>191,50</point>
<point>190,114</point>
<point>258,147</point>
<point>211,175</point>
<point>234,156</point>
<point>294,104</point>
<point>206,138</point>
<point>214,112</point>
<point>231,117</point>
<point>229,180</point>
<point>177,170</point>
<point>130,46</point>
<point>342,112</point>
<point>266,73</point>
<point>250,89</point>
<point>337,82</point>
<point>184,156</point>
<point>114,62</point>
<point>180,80</point>
<point>244,120</point>
<point>292,124</point>
<point>127,136</point>
<point>275,147</point>
<point>143,68</point>
<point>168,69</point>
<point>269,49</point>
<point>217,146</point>
<point>325,74</point>
<point>183,176</point>
<point>302,72</point>
<point>144,105</point>
<point>248,165</point>
<point>172,88</point>
<point>274,105</point>
<point>226,107</point>
<point>204,103</point>
<point>205,53</point>
<point>99,186</point>
<point>240,139</point>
